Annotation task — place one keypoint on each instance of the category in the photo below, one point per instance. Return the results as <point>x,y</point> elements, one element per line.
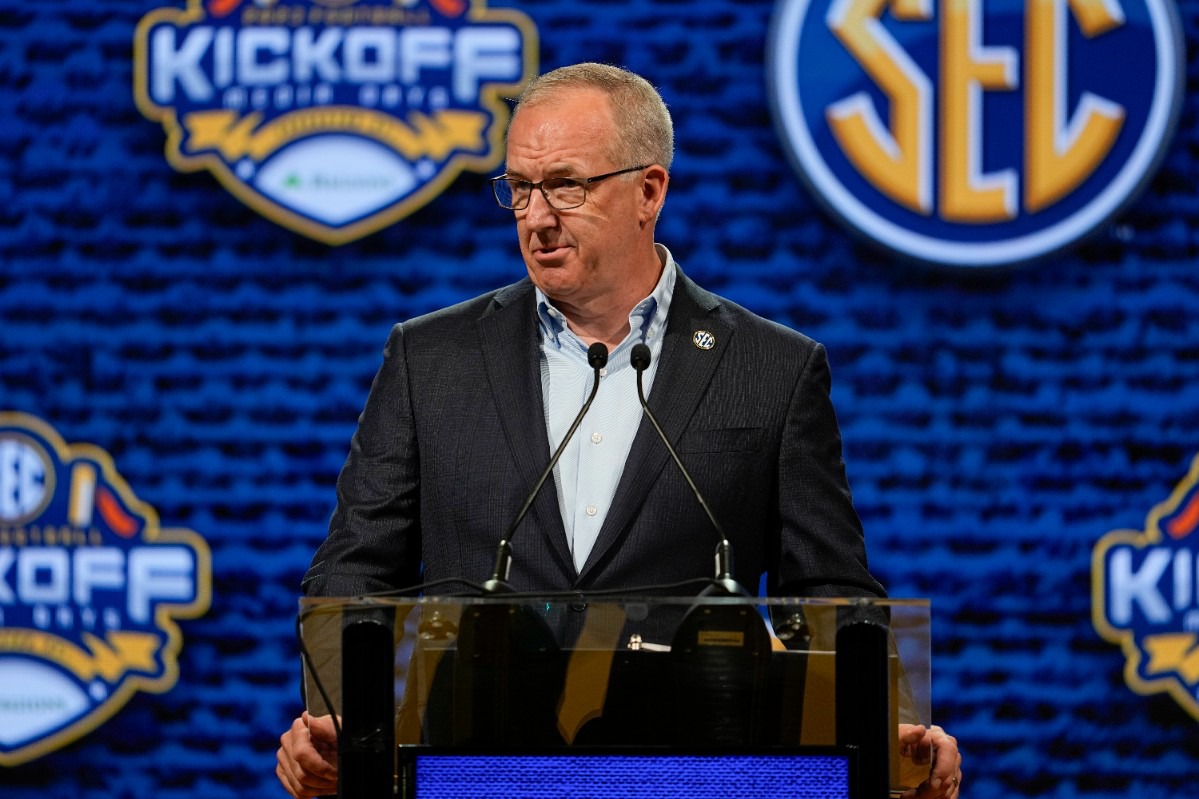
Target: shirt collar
<point>648,314</point>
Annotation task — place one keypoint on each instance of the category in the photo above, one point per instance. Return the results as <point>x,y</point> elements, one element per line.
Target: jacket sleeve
<point>821,548</point>
<point>374,541</point>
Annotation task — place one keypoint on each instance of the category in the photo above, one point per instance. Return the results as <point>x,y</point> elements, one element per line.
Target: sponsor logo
<point>1145,586</point>
<point>975,134</point>
<point>90,587</point>
<point>333,118</point>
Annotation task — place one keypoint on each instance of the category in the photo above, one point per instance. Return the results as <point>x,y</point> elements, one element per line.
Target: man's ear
<point>653,193</point>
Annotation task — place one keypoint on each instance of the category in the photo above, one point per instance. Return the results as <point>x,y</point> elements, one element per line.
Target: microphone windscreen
<point>597,355</point>
<point>640,357</point>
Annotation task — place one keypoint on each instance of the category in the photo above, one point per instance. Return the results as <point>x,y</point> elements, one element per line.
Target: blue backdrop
<point>996,423</point>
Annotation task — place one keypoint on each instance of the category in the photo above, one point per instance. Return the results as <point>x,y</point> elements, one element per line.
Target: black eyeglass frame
<point>539,185</point>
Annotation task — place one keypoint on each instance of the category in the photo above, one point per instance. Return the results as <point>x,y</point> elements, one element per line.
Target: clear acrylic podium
<point>532,697</point>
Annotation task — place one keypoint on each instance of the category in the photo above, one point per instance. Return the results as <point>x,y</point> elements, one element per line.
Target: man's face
<point>584,258</point>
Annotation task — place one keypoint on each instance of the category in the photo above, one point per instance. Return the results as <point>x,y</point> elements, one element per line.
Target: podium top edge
<point>602,600</point>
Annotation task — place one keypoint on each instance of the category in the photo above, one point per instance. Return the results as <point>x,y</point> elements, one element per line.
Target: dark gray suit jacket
<point>453,438</point>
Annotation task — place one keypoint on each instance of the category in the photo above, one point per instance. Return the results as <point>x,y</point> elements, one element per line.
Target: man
<point>471,400</point>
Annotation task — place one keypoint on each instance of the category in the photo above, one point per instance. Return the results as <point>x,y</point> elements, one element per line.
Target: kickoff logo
<point>334,118</point>
<point>972,132</point>
<point>90,587</point>
<point>1145,587</point>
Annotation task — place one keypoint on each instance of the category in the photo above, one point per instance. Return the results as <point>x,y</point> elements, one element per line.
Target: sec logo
<point>975,134</point>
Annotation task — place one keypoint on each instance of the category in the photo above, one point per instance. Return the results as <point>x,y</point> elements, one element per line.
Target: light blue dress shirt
<point>592,464</point>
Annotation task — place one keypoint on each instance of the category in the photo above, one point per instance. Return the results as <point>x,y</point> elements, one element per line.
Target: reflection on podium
<point>522,696</point>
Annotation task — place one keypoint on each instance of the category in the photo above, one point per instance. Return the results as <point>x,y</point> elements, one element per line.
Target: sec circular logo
<point>26,481</point>
<point>972,134</point>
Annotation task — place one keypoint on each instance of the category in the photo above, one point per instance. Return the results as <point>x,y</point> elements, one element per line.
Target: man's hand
<point>932,745</point>
<point>308,757</point>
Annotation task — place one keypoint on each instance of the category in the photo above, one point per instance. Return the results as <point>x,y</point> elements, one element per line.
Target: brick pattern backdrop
<point>996,423</point>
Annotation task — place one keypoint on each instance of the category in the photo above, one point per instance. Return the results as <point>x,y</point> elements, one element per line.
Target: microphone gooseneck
<point>597,358</point>
<point>640,360</point>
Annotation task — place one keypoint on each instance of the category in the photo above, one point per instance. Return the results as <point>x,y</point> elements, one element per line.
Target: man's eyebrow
<point>561,171</point>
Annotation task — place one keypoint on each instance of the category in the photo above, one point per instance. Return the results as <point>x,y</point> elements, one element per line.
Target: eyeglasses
<point>562,194</point>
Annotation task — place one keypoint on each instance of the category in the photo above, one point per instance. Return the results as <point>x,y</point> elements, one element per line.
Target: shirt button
<point>596,438</point>
<point>604,372</point>
<point>592,510</point>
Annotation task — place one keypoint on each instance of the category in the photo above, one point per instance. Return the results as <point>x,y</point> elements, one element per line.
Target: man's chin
<point>554,283</point>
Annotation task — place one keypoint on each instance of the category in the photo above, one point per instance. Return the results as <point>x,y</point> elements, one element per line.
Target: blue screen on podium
<point>567,775</point>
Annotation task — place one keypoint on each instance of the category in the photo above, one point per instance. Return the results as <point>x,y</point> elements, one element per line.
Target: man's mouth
<point>548,251</point>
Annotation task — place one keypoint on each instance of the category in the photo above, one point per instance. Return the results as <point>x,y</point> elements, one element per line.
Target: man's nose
<point>539,214</point>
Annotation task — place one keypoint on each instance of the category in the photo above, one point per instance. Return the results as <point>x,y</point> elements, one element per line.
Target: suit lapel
<point>509,341</point>
<point>684,372</point>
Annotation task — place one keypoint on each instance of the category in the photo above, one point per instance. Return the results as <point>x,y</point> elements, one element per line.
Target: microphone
<point>597,357</point>
<point>640,358</point>
<point>717,694</point>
